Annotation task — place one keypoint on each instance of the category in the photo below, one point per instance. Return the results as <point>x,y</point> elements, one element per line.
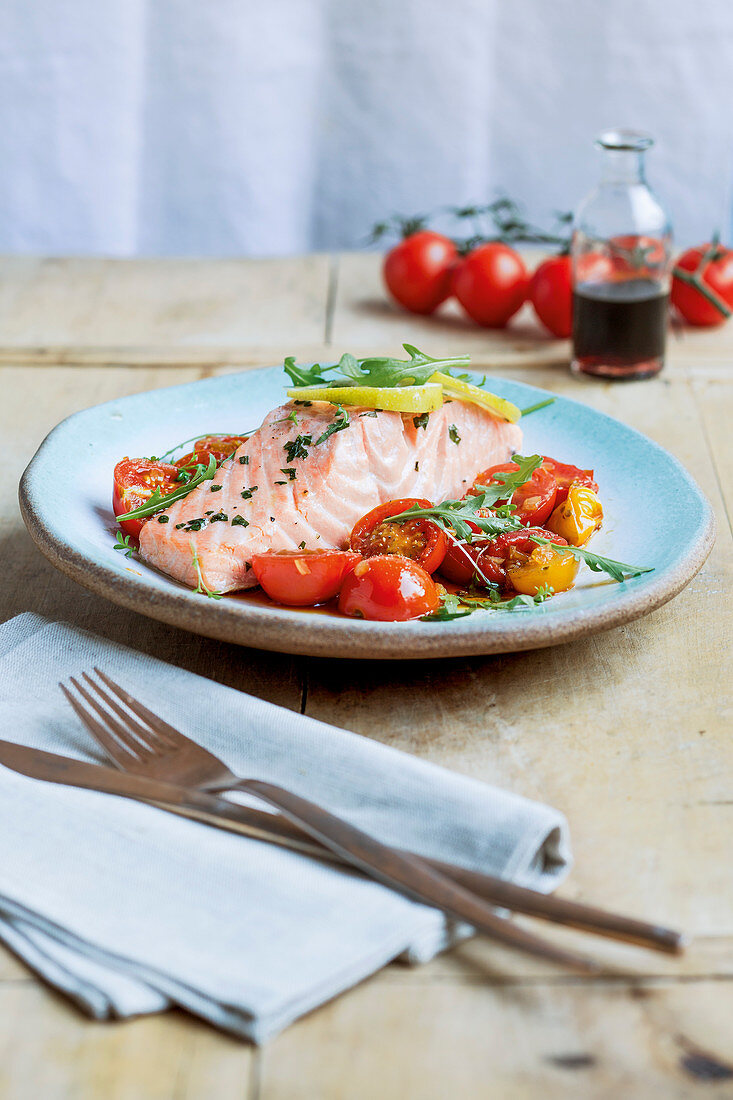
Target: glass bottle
<point>621,257</point>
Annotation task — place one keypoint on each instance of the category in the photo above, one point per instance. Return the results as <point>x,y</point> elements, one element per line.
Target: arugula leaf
<point>340,421</point>
<point>616,569</point>
<point>157,502</point>
<point>539,405</point>
<point>305,376</point>
<point>457,515</point>
<point>458,605</point>
<point>382,371</point>
<point>193,439</point>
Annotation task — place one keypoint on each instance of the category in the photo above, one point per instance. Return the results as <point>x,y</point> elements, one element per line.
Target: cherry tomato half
<point>302,578</point>
<point>418,271</point>
<point>491,284</point>
<point>472,562</point>
<point>565,475</point>
<point>419,539</point>
<point>551,294</point>
<point>134,482</point>
<point>388,588</point>
<point>220,446</point>
<point>717,274</point>
<point>534,500</point>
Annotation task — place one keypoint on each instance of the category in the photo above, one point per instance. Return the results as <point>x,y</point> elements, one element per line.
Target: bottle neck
<point>622,166</point>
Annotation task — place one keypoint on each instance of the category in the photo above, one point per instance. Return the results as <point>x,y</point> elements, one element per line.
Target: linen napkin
<point>128,909</point>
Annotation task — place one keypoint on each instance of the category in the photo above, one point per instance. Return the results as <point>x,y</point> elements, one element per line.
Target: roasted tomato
<point>579,515</point>
<point>543,567</point>
<point>388,588</point>
<point>565,475</point>
<point>220,446</point>
<point>534,500</point>
<point>303,578</point>
<point>526,566</point>
<point>420,539</point>
<point>135,481</point>
<point>468,562</point>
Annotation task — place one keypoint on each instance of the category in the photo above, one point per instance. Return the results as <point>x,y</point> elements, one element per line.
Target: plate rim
<point>328,636</point>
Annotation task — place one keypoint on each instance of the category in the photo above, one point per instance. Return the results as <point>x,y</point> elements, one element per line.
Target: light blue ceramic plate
<point>660,520</point>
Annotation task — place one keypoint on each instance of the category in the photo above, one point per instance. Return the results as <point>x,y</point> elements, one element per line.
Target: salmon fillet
<point>283,489</point>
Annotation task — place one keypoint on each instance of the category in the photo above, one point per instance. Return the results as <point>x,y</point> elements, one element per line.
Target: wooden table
<point>626,732</point>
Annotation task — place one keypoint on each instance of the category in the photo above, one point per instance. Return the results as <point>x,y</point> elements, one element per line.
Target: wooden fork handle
<point>408,874</point>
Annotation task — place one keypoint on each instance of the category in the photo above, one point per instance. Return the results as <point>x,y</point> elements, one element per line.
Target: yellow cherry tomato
<point>578,516</point>
<point>544,567</point>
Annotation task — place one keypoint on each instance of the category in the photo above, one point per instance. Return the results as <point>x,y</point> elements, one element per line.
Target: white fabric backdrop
<point>243,126</point>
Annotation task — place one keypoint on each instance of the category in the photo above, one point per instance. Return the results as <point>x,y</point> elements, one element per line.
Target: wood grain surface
<point>629,732</point>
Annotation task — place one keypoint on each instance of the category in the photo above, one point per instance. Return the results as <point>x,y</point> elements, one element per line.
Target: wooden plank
<point>47,1050</point>
<point>562,1042</point>
<point>714,397</point>
<point>32,584</point>
<point>161,303</point>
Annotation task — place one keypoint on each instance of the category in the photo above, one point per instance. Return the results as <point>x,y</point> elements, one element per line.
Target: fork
<point>158,751</point>
<point>140,742</point>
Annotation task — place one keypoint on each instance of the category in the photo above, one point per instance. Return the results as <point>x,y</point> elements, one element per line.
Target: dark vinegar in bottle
<point>619,328</point>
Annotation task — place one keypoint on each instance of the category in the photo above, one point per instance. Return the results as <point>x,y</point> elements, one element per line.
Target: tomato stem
<point>693,278</point>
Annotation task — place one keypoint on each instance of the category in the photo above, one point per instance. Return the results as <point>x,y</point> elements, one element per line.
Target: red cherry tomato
<point>220,446</point>
<point>389,589</point>
<point>565,475</point>
<point>419,539</point>
<point>717,274</point>
<point>303,578</point>
<point>551,294</point>
<point>486,560</point>
<point>134,482</point>
<point>491,283</point>
<point>534,500</point>
<point>472,562</point>
<point>418,271</point>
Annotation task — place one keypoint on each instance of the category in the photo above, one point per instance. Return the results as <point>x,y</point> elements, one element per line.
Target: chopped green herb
<point>240,521</point>
<point>417,466</point>
<point>297,448</point>
<point>301,545</point>
<point>163,519</point>
<point>247,493</point>
<point>453,434</point>
<point>215,488</point>
<point>290,471</point>
<point>305,404</point>
<point>244,460</point>
<point>280,483</point>
<point>124,542</point>
<point>421,421</point>
<point>202,588</point>
<point>292,417</point>
<point>220,516</point>
<point>539,405</point>
<point>340,421</point>
<point>195,524</point>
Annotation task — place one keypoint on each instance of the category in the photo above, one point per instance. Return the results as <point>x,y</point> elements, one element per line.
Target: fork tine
<point>121,757</point>
<point>159,726</point>
<point>148,738</point>
<point>122,735</point>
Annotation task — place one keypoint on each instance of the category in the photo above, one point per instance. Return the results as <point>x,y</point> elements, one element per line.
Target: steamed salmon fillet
<point>282,490</point>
